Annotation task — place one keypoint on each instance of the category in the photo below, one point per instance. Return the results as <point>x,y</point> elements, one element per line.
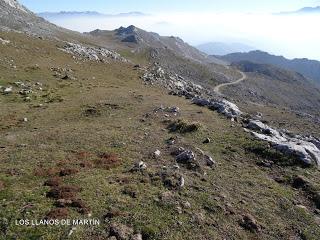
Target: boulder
<point>7,90</point>
<point>209,160</point>
<point>92,53</point>
<point>304,149</point>
<point>186,157</point>
<point>226,108</point>
<point>140,166</point>
<point>157,153</point>
<point>4,41</point>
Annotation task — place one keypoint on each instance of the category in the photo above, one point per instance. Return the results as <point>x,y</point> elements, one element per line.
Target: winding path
<point>217,88</point>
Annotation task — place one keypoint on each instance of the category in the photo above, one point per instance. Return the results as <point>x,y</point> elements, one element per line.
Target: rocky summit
<point>131,135</point>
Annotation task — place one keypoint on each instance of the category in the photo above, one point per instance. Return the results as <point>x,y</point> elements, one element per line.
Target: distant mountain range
<point>220,48</point>
<point>309,68</point>
<point>73,14</point>
<point>303,11</point>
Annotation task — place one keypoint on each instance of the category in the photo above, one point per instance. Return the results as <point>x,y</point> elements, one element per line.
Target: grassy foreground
<point>72,158</point>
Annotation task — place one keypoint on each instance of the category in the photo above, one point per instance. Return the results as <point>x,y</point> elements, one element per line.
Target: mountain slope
<point>141,39</point>
<point>15,16</point>
<point>219,48</point>
<point>303,11</point>
<point>273,85</point>
<point>171,53</point>
<point>309,68</point>
<point>84,136</point>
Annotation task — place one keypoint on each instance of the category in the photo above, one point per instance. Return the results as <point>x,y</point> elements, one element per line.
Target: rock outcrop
<point>305,149</point>
<point>92,53</point>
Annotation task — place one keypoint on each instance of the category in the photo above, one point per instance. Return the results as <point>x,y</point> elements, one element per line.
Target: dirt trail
<point>243,77</point>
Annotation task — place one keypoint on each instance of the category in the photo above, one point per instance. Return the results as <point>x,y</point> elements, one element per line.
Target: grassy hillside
<point>84,133</point>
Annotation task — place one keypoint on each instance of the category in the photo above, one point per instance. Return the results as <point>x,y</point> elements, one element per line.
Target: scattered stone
<point>174,82</point>
<point>181,181</point>
<point>8,90</point>
<point>140,166</point>
<point>259,115</point>
<point>207,140</point>
<point>27,99</point>
<point>157,154</point>
<point>171,180</point>
<point>25,119</point>
<point>120,231</point>
<point>92,53</point>
<point>209,160</point>
<point>72,231</point>
<point>186,204</point>
<point>171,141</point>
<point>186,157</point>
<point>177,150</point>
<point>176,166</point>
<point>302,207</point>
<point>66,77</point>
<point>307,149</point>
<point>4,41</point>
<point>179,210</point>
<point>136,237</point>
<point>173,109</point>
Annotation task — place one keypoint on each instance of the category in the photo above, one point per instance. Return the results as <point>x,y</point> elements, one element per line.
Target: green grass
<point>58,132</point>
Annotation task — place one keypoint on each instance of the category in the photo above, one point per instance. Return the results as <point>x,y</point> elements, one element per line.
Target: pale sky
<point>200,21</point>
<point>156,6</point>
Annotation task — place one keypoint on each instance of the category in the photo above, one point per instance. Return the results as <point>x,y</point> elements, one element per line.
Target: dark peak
<point>310,8</point>
<point>97,31</point>
<point>177,39</point>
<point>128,34</point>
<point>259,52</point>
<point>128,30</point>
